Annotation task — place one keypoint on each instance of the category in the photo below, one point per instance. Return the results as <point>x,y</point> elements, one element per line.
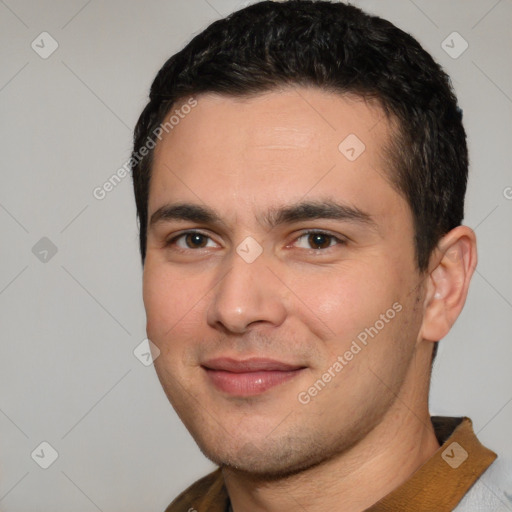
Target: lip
<point>248,377</point>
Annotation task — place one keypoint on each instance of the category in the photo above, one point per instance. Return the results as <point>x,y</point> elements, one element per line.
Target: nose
<point>249,293</point>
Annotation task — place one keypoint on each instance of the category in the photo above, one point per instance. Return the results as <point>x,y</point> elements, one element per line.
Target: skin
<point>296,302</point>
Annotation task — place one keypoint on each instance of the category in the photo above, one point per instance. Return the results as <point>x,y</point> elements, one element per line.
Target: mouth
<point>249,377</point>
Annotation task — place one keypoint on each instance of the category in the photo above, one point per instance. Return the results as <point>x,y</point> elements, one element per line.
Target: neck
<point>357,478</point>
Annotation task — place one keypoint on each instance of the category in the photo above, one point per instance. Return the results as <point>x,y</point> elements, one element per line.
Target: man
<point>299,174</point>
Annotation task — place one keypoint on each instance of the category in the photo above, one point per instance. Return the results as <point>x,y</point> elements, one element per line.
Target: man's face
<point>249,310</point>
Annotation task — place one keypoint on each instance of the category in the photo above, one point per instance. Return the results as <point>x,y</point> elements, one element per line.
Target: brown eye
<point>195,240</point>
<point>318,240</point>
<point>190,240</point>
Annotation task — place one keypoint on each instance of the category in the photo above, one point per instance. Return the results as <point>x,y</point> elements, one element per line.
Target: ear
<point>452,265</point>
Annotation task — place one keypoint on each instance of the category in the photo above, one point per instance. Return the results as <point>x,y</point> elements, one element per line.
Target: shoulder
<point>492,492</point>
<point>208,493</point>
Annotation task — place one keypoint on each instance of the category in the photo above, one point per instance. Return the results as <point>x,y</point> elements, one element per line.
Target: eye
<point>312,240</point>
<point>318,240</point>
<point>190,240</point>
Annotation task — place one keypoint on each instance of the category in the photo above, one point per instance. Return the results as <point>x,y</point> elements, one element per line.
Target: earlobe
<point>447,283</point>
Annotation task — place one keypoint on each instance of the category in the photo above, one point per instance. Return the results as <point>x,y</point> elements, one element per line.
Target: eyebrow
<point>296,212</point>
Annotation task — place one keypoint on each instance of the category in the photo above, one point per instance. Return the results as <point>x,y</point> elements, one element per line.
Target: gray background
<point>70,321</point>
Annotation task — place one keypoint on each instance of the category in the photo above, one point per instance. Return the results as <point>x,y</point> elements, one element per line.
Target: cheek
<point>336,299</point>
<point>350,301</point>
<point>175,304</point>
<point>346,299</point>
<point>166,302</point>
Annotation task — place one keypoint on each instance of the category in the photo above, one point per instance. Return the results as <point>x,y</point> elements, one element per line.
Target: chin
<point>266,459</point>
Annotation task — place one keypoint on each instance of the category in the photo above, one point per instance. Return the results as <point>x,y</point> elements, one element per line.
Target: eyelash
<point>339,241</point>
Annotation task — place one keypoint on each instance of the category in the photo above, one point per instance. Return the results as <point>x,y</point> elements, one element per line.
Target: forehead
<point>281,145</point>
<point>297,116</point>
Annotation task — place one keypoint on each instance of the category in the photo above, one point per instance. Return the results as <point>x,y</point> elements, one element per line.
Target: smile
<point>249,377</point>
